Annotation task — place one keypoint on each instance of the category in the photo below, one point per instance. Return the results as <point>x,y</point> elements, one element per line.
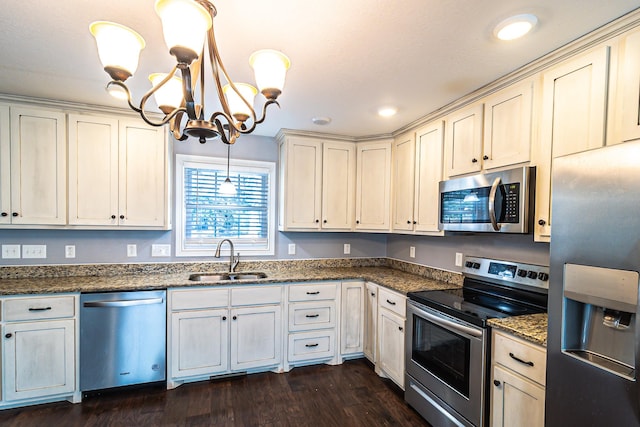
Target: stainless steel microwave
<point>490,202</point>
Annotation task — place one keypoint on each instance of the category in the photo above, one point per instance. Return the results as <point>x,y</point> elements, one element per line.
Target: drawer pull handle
<point>517,359</point>
<point>311,316</point>
<point>391,302</point>
<point>311,345</point>
<point>39,308</point>
<point>9,335</point>
<point>313,293</point>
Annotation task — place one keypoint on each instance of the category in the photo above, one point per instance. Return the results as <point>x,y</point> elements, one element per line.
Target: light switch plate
<point>132,250</point>
<point>412,251</point>
<point>160,250</point>
<point>458,259</point>
<point>10,251</point>
<point>292,248</point>
<point>70,251</point>
<point>347,248</point>
<point>34,251</point>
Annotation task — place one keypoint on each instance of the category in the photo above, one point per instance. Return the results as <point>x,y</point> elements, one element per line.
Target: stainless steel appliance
<point>593,342</point>
<point>122,339</point>
<point>447,347</point>
<point>492,202</point>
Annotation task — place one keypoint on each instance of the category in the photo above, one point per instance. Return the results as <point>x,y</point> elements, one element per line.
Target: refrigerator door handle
<point>492,204</point>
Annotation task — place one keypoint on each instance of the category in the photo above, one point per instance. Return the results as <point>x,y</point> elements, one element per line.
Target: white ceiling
<point>349,57</point>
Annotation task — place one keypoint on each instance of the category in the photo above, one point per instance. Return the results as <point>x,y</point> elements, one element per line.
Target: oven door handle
<point>492,204</point>
<point>445,323</point>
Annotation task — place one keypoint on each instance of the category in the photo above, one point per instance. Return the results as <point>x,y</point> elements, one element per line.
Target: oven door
<point>448,358</point>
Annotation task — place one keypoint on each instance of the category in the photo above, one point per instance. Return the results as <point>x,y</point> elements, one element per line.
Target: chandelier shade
<point>189,34</point>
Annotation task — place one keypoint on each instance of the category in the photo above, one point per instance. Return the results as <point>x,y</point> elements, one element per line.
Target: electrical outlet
<point>70,251</point>
<point>347,248</point>
<point>458,259</point>
<point>34,251</point>
<point>132,250</point>
<point>412,251</point>
<point>10,251</point>
<point>292,248</point>
<point>160,250</point>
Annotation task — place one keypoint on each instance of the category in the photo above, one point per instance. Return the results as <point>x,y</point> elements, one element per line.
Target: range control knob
<point>532,275</point>
<point>543,276</point>
<point>476,265</point>
<point>468,264</point>
<point>522,273</point>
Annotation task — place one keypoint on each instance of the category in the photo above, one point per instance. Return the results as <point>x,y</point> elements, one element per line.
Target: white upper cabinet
<point>117,173</point>
<point>373,186</point>
<point>403,165</point>
<point>626,113</point>
<point>573,119</point>
<point>317,180</point>
<point>428,174</point>
<point>463,141</point>
<point>5,166</point>
<point>38,167</point>
<point>507,126</point>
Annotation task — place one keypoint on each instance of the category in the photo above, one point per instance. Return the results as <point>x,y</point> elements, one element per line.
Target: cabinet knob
<point>325,221</point>
<point>15,214</point>
<point>357,221</point>
<point>317,221</point>
<point>9,335</point>
<point>121,216</point>
<point>415,222</point>
<point>224,317</point>
<point>541,222</point>
<point>4,214</point>
<point>496,383</point>
<point>373,294</point>
<point>235,317</point>
<point>113,217</point>
<point>400,328</point>
<point>408,222</point>
<point>485,157</point>
<point>474,160</point>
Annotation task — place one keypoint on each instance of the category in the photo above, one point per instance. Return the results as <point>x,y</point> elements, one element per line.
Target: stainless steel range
<point>447,347</point>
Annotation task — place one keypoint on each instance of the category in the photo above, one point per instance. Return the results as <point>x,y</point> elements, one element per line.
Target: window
<point>204,217</point>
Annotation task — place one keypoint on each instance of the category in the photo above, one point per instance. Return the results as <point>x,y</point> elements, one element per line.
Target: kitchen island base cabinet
<point>39,350</point>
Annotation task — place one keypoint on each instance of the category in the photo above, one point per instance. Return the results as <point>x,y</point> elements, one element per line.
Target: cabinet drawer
<point>39,308</point>
<point>312,292</point>
<point>312,345</point>
<point>256,295</point>
<point>192,299</point>
<point>392,301</point>
<point>308,316</point>
<point>532,361</point>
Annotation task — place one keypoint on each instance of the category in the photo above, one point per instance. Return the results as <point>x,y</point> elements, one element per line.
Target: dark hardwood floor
<point>350,394</point>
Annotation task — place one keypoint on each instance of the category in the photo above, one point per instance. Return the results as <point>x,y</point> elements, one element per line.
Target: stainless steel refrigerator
<point>593,345</point>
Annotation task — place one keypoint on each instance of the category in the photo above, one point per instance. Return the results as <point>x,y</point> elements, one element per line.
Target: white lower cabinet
<point>215,331</point>
<point>370,321</point>
<point>390,335</point>
<point>39,350</point>
<point>352,319</point>
<point>518,382</point>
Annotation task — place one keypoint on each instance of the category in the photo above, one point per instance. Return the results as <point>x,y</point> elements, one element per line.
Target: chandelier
<point>186,25</point>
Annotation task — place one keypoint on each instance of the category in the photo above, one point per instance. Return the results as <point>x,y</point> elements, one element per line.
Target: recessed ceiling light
<point>387,111</point>
<point>321,121</point>
<point>515,26</point>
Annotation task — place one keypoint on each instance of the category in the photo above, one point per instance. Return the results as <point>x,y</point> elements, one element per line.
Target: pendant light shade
<point>185,24</point>
<point>168,96</point>
<point>239,109</point>
<point>270,68</point>
<point>118,48</point>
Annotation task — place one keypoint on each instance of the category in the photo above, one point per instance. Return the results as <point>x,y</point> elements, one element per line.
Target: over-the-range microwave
<point>489,202</point>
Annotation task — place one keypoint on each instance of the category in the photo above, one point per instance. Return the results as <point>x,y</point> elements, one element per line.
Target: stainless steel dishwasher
<point>122,339</point>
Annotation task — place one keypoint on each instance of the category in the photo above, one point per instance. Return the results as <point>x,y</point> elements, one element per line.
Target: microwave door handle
<point>492,204</point>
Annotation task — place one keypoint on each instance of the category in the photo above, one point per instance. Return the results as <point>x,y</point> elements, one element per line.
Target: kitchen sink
<point>217,277</point>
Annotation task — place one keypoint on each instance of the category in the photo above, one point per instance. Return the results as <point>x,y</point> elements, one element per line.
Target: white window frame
<point>235,165</point>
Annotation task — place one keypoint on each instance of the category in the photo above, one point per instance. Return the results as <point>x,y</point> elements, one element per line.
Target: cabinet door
<point>515,401</point>
<point>403,175</point>
<point>256,337</point>
<point>302,163</point>
<point>626,114</point>
<point>5,166</point>
<point>463,141</point>
<point>391,345</point>
<point>429,151</point>
<point>373,186</point>
<point>93,170</point>
<point>352,318</point>
<point>507,126</point>
<point>199,343</point>
<point>370,321</point>
<point>573,120</point>
<point>38,167</point>
<point>142,175</point>
<point>338,185</point>
<point>39,359</point>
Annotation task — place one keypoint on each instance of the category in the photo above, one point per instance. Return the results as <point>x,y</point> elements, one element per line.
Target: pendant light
<point>227,188</point>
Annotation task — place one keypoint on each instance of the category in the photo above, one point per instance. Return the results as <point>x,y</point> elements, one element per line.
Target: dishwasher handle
<point>123,303</point>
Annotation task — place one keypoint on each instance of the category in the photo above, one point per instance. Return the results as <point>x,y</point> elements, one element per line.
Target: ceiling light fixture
<point>515,26</point>
<point>321,121</point>
<point>186,25</point>
<point>387,111</point>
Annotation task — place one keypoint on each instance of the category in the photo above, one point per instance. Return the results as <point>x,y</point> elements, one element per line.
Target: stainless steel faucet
<point>233,261</point>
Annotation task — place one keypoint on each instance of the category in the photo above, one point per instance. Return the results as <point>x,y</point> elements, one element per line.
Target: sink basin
<point>217,277</point>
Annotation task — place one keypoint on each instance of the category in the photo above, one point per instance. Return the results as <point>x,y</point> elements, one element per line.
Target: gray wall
<point>110,246</point>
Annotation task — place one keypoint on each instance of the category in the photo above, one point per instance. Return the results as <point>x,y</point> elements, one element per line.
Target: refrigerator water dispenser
<point>599,317</point>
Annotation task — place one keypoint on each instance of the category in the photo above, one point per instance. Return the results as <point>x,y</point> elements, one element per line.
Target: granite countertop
<point>391,278</point>
<point>531,327</point>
